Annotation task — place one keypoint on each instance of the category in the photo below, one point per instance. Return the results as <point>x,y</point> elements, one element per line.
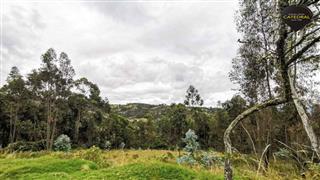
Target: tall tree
<point>52,82</point>
<point>193,97</point>
<point>283,57</point>
<point>16,96</point>
<point>200,118</point>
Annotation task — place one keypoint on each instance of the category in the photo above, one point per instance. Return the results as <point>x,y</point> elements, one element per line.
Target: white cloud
<point>135,52</point>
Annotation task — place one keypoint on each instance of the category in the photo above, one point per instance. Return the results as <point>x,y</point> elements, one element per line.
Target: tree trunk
<point>77,125</point>
<point>49,120</point>
<point>11,126</point>
<point>233,124</point>
<point>259,138</point>
<point>53,130</point>
<point>15,125</point>
<point>305,119</point>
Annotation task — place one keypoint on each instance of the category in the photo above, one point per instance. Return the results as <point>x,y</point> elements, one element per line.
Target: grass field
<point>117,164</point>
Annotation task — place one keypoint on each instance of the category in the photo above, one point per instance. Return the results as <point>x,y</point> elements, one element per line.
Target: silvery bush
<point>191,148</point>
<point>62,143</point>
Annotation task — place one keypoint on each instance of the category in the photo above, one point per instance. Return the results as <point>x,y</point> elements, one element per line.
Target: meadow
<point>94,163</point>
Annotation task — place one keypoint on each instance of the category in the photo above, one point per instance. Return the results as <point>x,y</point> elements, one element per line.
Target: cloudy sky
<point>147,52</point>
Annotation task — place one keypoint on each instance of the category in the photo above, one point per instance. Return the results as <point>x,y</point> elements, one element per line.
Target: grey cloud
<point>131,13</point>
<point>20,28</point>
<point>135,52</point>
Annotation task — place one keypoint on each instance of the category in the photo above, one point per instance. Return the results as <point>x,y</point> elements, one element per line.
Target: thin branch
<point>307,59</point>
<point>262,155</point>
<point>226,138</point>
<point>253,146</point>
<point>239,118</point>
<point>303,50</point>
<point>302,39</point>
<point>294,154</point>
<point>311,2</point>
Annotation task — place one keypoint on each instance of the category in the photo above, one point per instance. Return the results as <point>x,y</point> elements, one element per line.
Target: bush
<point>283,153</point>
<point>166,157</point>
<point>62,143</point>
<point>122,145</point>
<point>208,160</point>
<point>95,154</point>
<point>186,160</point>
<point>22,146</point>
<point>191,148</point>
<point>107,145</point>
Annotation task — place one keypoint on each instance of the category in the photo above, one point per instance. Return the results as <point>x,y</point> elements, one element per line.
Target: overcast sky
<point>135,51</point>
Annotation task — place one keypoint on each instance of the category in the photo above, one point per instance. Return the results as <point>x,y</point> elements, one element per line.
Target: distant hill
<point>142,110</point>
<point>139,110</point>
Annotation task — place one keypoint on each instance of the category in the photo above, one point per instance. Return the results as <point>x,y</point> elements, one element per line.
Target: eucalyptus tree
<point>199,117</point>
<point>178,124</point>
<point>79,100</point>
<point>284,48</point>
<point>52,83</point>
<point>89,106</point>
<point>16,94</point>
<point>193,98</point>
<point>3,124</point>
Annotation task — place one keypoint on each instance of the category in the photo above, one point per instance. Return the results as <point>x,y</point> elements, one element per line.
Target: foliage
<point>26,146</point>
<point>208,159</point>
<point>107,145</point>
<point>62,143</point>
<point>166,157</point>
<point>94,154</point>
<point>122,145</point>
<point>193,97</point>
<point>191,148</point>
<point>79,111</point>
<point>283,153</point>
<point>191,142</point>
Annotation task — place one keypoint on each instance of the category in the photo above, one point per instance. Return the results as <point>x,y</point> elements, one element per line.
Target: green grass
<point>131,164</point>
<point>54,168</point>
<point>146,171</point>
<point>39,168</point>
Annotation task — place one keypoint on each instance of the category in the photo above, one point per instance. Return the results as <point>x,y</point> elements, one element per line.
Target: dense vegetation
<point>81,113</point>
<point>34,114</point>
<point>274,118</point>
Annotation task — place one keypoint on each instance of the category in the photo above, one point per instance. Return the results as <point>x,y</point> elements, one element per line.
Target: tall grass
<point>94,163</point>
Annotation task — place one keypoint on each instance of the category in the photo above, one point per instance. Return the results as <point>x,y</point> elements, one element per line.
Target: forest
<point>273,119</point>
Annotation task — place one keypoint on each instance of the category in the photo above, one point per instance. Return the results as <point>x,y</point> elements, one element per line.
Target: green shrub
<point>207,160</point>
<point>191,148</point>
<point>107,145</point>
<point>166,157</point>
<point>62,143</point>
<point>21,146</point>
<point>122,145</point>
<point>96,155</point>
<point>283,153</point>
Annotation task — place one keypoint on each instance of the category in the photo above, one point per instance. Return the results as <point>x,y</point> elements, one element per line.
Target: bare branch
<point>253,146</point>
<point>233,124</point>
<point>239,118</point>
<point>304,118</point>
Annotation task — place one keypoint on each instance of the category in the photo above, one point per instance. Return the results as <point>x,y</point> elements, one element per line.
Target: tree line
<point>48,102</point>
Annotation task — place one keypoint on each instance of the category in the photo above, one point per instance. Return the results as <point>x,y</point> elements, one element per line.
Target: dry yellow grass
<point>119,158</point>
